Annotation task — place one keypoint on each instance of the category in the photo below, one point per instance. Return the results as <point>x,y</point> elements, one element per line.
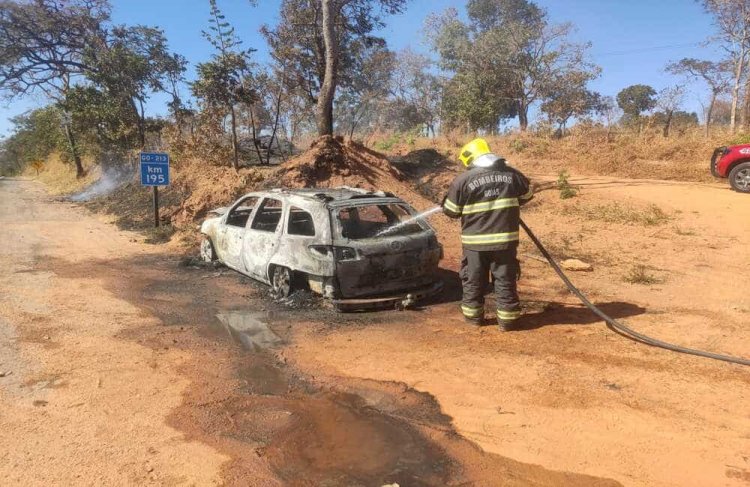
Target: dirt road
<point>121,365</point>
<point>77,404</point>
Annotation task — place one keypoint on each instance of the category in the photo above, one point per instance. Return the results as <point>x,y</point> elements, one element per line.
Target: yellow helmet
<point>472,150</point>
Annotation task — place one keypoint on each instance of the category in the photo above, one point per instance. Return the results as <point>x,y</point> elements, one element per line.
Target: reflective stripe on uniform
<point>490,238</point>
<point>508,315</point>
<point>497,204</point>
<point>528,195</point>
<point>470,312</point>
<point>451,206</point>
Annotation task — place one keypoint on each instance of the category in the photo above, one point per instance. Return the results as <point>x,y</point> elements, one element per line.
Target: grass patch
<point>684,231</point>
<point>640,274</point>
<point>158,235</point>
<point>388,143</point>
<point>567,190</point>
<point>651,215</point>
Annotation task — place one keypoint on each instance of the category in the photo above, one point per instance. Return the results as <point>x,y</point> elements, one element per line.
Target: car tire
<point>281,282</point>
<point>208,254</point>
<point>739,177</point>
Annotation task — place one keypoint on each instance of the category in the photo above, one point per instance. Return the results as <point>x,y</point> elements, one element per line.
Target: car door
<point>262,237</point>
<point>231,235</point>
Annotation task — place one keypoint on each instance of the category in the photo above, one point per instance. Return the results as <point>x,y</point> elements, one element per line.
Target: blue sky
<point>632,40</point>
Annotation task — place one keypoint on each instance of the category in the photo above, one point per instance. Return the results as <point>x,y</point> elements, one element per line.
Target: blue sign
<point>154,169</point>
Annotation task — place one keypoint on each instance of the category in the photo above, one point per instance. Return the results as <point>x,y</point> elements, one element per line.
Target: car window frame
<point>288,216</point>
<point>237,204</point>
<point>262,201</point>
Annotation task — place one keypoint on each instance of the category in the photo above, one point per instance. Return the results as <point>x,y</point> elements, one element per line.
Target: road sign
<point>154,169</point>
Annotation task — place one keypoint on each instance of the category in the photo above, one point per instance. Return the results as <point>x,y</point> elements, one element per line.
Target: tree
<point>360,103</point>
<point>568,97</point>
<point>610,112</point>
<point>132,62</point>
<point>220,81</point>
<point>469,100</point>
<point>732,17</point>
<point>37,134</point>
<point>678,119</point>
<point>43,47</point>
<point>416,91</point>
<point>636,99</point>
<point>716,75</point>
<point>509,44</point>
<point>668,101</point>
<point>320,42</point>
<point>722,111</point>
<point>55,47</point>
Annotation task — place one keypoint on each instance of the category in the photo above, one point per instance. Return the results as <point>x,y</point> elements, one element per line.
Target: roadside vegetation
<point>620,213</point>
<point>492,66</point>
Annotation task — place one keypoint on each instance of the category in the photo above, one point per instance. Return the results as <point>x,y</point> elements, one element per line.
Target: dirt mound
<point>207,187</point>
<point>430,171</point>
<point>332,162</point>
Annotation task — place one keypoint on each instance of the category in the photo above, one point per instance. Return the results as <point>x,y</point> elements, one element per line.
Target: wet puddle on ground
<point>249,329</point>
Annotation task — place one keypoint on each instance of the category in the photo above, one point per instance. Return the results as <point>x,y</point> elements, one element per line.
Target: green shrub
<point>517,146</point>
<point>567,190</point>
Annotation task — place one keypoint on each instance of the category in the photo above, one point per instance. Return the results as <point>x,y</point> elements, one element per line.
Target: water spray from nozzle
<point>422,216</point>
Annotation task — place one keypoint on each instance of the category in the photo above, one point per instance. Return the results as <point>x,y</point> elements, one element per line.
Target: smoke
<point>110,180</point>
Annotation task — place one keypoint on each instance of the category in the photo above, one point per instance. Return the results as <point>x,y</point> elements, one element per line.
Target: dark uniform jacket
<point>488,202</point>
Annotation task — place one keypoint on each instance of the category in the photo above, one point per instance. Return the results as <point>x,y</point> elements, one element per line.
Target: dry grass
<point>686,232</point>
<point>60,178</point>
<point>651,215</point>
<point>161,234</point>
<point>641,274</point>
<point>684,156</point>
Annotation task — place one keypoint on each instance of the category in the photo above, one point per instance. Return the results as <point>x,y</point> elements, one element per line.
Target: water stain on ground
<point>250,329</point>
<point>282,426</point>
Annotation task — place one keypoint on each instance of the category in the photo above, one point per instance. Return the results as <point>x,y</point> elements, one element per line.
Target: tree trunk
<point>255,137</point>
<point>523,115</point>
<point>738,72</point>
<point>710,112</point>
<point>235,149</point>
<point>667,123</point>
<point>142,125</point>
<point>275,127</point>
<point>328,89</point>
<point>74,151</point>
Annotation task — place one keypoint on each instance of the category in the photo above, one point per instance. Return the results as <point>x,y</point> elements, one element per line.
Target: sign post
<point>155,173</point>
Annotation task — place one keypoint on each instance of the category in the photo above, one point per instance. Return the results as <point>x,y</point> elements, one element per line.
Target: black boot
<point>475,321</point>
<point>506,325</point>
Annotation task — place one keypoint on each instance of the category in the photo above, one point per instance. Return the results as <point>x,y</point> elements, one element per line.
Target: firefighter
<point>487,198</point>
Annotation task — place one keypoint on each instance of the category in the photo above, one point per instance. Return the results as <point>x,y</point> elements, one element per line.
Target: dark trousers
<point>476,267</point>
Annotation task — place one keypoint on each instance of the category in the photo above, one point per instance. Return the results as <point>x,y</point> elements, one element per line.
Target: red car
<point>733,162</point>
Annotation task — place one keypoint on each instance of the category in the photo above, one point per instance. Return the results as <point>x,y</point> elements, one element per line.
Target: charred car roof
<point>338,197</point>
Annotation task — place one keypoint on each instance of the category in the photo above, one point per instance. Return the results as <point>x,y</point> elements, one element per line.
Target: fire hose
<point>616,325</point>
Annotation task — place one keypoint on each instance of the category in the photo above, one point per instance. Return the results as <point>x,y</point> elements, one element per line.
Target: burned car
<point>352,246</point>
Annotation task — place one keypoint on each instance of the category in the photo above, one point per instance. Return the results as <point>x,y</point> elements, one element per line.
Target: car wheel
<point>207,250</point>
<point>281,282</point>
<point>739,177</point>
